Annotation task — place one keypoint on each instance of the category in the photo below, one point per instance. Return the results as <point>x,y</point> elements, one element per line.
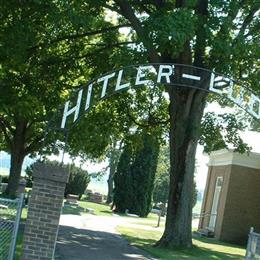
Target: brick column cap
<point>50,172</point>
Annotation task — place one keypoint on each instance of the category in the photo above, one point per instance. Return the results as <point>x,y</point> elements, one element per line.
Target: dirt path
<point>95,238</point>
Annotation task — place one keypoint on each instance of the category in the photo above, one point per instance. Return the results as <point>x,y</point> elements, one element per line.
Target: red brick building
<point>231,202</point>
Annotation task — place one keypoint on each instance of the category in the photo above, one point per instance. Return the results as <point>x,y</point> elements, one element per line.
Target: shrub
<point>78,181</point>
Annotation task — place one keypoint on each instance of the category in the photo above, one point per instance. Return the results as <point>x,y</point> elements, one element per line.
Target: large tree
<point>219,35</point>
<point>46,49</point>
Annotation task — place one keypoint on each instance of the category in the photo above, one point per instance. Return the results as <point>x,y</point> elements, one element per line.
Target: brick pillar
<point>44,212</point>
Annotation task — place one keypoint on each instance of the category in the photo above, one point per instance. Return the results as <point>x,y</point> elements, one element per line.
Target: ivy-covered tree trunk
<point>114,155</point>
<point>186,110</point>
<point>110,181</point>
<point>17,158</point>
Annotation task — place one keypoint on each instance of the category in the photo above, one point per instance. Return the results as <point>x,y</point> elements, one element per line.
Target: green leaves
<point>134,179</point>
<point>221,131</point>
<point>169,32</point>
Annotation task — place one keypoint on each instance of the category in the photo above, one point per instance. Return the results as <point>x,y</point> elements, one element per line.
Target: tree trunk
<point>17,158</point>
<point>110,183</point>
<point>113,161</point>
<point>186,110</point>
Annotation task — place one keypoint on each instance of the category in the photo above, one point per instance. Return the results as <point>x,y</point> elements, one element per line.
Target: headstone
<point>72,199</point>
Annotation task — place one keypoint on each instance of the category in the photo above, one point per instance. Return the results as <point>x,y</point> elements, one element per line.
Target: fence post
<point>16,227</point>
<point>44,210</point>
<point>249,244</point>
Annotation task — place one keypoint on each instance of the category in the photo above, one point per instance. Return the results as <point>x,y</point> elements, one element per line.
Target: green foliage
<point>78,180</point>
<point>143,174</point>
<point>220,130</point>
<point>162,177</point>
<point>123,190</point>
<point>172,30</point>
<point>134,179</point>
<point>4,179</point>
<point>46,49</point>
<point>28,176</point>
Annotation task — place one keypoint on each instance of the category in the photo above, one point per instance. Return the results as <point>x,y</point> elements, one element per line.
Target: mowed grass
<point>83,206</point>
<point>204,248</point>
<point>80,209</point>
<point>19,244</point>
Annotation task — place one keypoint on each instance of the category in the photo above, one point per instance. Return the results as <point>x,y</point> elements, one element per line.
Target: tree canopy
<point>49,48</point>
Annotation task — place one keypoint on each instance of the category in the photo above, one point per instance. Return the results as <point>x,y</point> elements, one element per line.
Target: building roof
<point>228,157</point>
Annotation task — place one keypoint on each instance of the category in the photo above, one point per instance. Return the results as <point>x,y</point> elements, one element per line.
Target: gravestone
<point>44,210</point>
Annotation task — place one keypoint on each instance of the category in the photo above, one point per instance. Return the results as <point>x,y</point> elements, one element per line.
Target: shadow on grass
<point>106,212</point>
<point>214,241</point>
<point>72,209</point>
<point>196,252</point>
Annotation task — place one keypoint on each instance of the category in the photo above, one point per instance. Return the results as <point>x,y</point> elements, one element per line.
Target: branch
<point>110,45</point>
<point>116,45</point>
<point>66,59</point>
<point>202,12</point>
<point>246,22</point>
<point>157,3</point>
<point>232,14</point>
<point>34,145</point>
<point>152,121</point>
<point>80,35</point>
<point>7,125</point>
<point>137,123</point>
<point>128,12</point>
<point>7,137</point>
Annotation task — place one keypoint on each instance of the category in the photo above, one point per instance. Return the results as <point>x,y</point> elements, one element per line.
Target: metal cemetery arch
<point>171,75</point>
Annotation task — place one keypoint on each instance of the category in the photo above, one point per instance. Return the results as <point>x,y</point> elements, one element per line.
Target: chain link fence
<point>253,246</point>
<point>10,214</point>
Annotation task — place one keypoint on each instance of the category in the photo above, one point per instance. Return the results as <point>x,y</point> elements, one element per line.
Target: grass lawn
<point>151,220</point>
<point>204,248</point>
<point>81,208</point>
<point>99,209</point>
<point>197,207</point>
<point>19,243</point>
<point>24,214</point>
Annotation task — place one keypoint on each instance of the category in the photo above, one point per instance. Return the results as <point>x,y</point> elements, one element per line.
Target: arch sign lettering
<point>149,75</point>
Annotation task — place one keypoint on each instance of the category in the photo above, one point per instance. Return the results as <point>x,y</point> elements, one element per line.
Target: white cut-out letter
<point>88,96</point>
<point>238,100</point>
<point>68,111</point>
<point>118,82</point>
<point>253,101</point>
<point>105,79</point>
<point>165,74</point>
<point>142,72</point>
<point>188,76</point>
<point>218,81</point>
